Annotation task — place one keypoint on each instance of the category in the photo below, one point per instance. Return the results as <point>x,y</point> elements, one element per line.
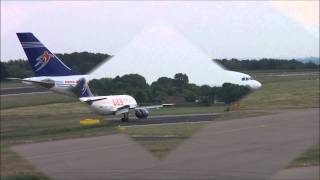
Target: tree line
<point>266,64</point>
<point>164,87</point>
<point>83,62</point>
<point>80,62</point>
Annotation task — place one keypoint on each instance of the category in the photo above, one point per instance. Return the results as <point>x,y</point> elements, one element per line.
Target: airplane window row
<point>246,78</point>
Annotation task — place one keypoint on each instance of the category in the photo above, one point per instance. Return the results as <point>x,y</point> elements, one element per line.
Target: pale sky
<point>220,29</point>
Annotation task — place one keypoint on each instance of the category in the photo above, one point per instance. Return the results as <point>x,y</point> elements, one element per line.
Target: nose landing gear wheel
<point>125,117</point>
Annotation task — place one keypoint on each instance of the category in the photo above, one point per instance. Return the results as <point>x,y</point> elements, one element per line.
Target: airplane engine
<point>141,113</point>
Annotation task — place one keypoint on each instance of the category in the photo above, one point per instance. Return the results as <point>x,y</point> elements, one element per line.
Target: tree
<point>141,96</point>
<point>4,73</point>
<point>205,95</point>
<point>232,92</point>
<point>180,79</point>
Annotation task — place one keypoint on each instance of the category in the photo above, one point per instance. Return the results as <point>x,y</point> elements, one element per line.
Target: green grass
<point>284,94</point>
<point>25,177</point>
<point>15,167</point>
<point>33,100</point>
<point>49,121</point>
<point>9,84</point>
<point>308,158</point>
<point>281,76</point>
<point>161,139</point>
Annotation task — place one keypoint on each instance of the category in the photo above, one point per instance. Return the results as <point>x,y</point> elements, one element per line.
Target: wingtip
<point>168,104</point>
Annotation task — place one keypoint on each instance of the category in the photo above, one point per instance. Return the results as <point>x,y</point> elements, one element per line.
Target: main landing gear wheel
<point>125,117</point>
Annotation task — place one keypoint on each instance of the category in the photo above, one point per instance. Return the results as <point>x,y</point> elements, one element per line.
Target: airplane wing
<point>154,106</point>
<point>44,83</point>
<point>92,99</point>
<point>126,108</point>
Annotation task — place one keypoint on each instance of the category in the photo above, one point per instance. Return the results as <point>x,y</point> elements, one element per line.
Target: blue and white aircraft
<point>50,72</point>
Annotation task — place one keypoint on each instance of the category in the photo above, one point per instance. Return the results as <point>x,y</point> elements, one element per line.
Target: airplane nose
<point>256,85</point>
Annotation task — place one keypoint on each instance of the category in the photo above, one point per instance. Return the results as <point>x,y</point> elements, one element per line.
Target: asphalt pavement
<point>252,148</point>
<point>166,119</point>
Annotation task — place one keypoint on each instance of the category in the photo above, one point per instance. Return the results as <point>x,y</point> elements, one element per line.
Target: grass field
<point>308,158</point>
<point>284,94</point>
<point>10,84</point>
<point>33,100</point>
<point>42,117</point>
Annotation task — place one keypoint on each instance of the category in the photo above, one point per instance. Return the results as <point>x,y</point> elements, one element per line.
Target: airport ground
<point>41,117</point>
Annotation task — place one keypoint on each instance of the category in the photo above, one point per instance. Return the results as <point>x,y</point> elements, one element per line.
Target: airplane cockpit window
<point>243,79</point>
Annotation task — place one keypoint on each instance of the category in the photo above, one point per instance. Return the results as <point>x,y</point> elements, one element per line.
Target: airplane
<point>113,104</point>
<point>241,79</point>
<point>50,72</point>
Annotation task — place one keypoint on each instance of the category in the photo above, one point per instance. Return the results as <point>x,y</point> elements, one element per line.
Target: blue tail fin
<point>42,61</point>
<point>84,88</point>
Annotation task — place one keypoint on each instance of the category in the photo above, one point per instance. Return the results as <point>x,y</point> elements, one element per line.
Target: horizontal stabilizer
<point>45,83</point>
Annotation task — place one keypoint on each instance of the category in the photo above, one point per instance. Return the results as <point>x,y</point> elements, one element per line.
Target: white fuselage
<point>112,103</point>
<point>240,79</point>
<point>62,84</point>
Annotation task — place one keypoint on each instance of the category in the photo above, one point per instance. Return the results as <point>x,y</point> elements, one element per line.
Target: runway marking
<point>25,93</point>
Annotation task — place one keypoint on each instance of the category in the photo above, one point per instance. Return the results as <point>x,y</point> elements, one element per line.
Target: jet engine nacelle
<point>141,113</point>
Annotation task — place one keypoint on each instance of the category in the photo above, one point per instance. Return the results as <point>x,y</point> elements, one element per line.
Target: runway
<point>22,90</point>
<point>166,119</point>
<point>241,149</point>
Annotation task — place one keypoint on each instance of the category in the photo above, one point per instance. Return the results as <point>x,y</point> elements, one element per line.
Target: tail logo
<point>43,60</point>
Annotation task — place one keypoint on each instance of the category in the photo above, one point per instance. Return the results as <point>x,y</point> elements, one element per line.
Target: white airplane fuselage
<point>61,84</point>
<point>241,79</point>
<point>111,104</point>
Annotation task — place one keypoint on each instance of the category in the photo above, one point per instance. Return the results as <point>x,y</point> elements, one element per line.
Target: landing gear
<point>125,117</point>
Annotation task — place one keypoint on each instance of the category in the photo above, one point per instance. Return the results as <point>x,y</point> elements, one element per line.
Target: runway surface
<point>166,119</point>
<point>22,90</point>
<point>248,148</point>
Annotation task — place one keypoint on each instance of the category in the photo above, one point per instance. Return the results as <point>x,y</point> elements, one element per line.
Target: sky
<point>161,51</point>
<point>237,29</point>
